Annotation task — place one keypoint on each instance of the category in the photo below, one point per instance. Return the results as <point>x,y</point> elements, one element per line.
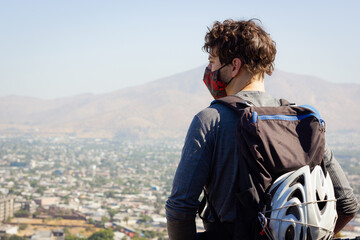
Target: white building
<point>6,208</point>
<point>8,229</point>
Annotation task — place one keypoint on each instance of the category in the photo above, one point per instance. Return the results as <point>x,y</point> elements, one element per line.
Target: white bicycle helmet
<point>303,205</point>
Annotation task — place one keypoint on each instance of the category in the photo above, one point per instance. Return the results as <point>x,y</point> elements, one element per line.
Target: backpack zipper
<point>255,117</point>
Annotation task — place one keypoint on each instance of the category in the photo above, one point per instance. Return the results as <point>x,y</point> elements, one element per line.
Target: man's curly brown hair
<point>244,40</point>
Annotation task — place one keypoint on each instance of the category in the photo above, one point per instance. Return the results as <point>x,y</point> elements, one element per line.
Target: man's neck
<point>255,86</point>
<point>246,82</point>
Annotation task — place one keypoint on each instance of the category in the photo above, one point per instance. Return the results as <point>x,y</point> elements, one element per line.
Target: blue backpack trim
<point>255,117</point>
<point>315,114</point>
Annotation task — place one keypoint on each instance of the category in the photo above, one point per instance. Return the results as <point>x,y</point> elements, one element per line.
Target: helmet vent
<point>308,234</point>
<point>300,179</point>
<point>321,203</point>
<point>293,210</point>
<point>290,233</point>
<point>296,194</point>
<point>301,233</point>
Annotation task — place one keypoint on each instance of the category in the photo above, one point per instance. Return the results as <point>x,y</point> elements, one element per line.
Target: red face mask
<point>214,84</point>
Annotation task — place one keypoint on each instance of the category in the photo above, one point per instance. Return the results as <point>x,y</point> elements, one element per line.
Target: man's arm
<point>190,178</point>
<point>346,204</point>
<point>182,230</point>
<point>342,221</point>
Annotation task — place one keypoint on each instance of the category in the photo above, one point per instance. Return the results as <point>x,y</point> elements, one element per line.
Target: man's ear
<point>236,65</point>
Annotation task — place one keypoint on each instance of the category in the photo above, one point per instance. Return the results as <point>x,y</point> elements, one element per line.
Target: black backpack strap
<point>284,102</point>
<point>236,102</point>
<point>233,101</point>
<point>202,207</point>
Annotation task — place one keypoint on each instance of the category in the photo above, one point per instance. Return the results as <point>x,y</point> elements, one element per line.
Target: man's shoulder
<point>214,114</point>
<point>214,110</point>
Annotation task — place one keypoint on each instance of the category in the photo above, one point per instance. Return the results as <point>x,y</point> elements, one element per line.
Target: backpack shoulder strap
<point>234,102</point>
<point>284,102</point>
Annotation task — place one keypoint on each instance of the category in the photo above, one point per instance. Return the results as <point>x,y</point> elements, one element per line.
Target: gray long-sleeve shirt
<point>210,159</point>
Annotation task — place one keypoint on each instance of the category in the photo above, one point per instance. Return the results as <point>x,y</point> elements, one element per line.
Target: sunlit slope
<point>164,108</point>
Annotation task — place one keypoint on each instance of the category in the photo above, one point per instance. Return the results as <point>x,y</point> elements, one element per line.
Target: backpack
<point>272,141</point>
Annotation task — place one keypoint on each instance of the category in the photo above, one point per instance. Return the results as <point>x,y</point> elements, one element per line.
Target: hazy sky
<point>52,49</point>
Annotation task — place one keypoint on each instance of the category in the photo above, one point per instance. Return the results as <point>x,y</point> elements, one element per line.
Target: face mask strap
<point>222,67</point>
<point>230,81</point>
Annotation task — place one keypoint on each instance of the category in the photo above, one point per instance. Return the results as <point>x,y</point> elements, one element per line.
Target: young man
<point>240,53</point>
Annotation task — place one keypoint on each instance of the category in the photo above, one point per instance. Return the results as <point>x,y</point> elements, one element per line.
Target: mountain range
<point>164,108</point>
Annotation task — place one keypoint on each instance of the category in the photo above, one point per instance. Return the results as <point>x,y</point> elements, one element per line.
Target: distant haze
<point>163,109</point>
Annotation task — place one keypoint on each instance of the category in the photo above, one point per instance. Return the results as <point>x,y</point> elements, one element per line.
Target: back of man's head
<point>245,40</point>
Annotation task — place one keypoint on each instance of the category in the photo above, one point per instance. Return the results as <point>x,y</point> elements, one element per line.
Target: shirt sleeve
<point>346,203</point>
<point>190,178</point>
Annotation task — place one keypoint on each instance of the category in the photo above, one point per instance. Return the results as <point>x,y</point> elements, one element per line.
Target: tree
<point>15,237</point>
<point>150,234</point>
<point>41,190</point>
<point>104,219</point>
<point>22,213</point>
<point>33,183</point>
<point>23,226</point>
<point>66,231</point>
<point>126,219</point>
<point>73,237</point>
<point>91,221</point>
<point>159,204</point>
<point>112,213</point>
<point>66,199</point>
<point>146,219</point>
<point>99,181</point>
<point>109,194</point>
<point>104,234</point>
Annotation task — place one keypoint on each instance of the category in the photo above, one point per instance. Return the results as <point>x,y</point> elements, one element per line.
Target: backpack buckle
<point>262,219</point>
<point>265,228</point>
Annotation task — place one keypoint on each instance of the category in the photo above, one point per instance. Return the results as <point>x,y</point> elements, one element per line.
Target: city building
<point>6,208</point>
<point>8,230</point>
<point>47,201</point>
